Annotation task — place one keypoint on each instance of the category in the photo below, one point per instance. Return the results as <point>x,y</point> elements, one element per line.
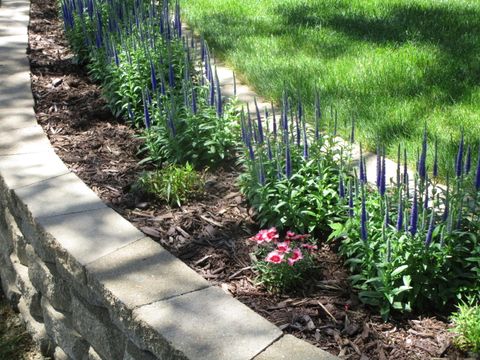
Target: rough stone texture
<point>59,354</point>
<point>94,324</point>
<point>134,353</point>
<point>47,280</point>
<point>207,324</point>
<point>60,330</point>
<point>142,273</point>
<point>92,355</point>
<point>291,348</point>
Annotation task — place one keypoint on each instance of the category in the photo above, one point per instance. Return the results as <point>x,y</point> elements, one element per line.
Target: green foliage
<point>399,269</point>
<point>174,184</point>
<point>466,323</point>
<point>301,193</point>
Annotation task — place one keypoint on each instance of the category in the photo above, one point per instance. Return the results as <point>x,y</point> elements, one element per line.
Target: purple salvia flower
<point>115,54</point>
<point>259,122</point>
<point>274,124</point>
<point>379,168</point>
<point>398,166</point>
<point>305,140</point>
<point>219,95</point>
<point>400,212</point>
<point>350,199</point>
<point>269,149</point>
<point>431,228</point>
<point>363,177</point>
<point>153,77</point>
<point>146,115</point>
<point>318,114</point>
<point>468,161</point>
<point>426,199</point>
<point>211,99</point>
<point>194,101</point>
<point>405,167</point>
<point>297,125</point>
<point>363,219</point>
<point>414,214</point>
<point>423,156</point>
<point>341,187</point>
<point>435,160</point>
<point>477,177</point>
<point>459,162</point>
<point>171,75</point>
<point>288,161</point>
<point>446,211</point>
<point>243,127</point>
<point>383,176</point>
<point>251,153</point>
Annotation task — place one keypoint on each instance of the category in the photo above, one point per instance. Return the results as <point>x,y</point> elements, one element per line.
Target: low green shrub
<point>466,326</point>
<point>174,184</point>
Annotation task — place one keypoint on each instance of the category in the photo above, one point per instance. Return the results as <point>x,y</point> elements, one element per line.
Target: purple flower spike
<point>426,199</point>
<point>383,176</point>
<point>219,95</point>
<point>363,176</point>
<point>341,187</point>
<point>422,171</point>
<point>435,160</point>
<point>405,168</point>
<point>477,177</point>
<point>305,141</point>
<point>398,166</point>
<point>363,219</point>
<point>431,228</point>
<point>459,162</point>
<point>259,122</point>
<point>468,161</point>
<point>146,115</point>
<point>153,77</point>
<point>288,161</point>
<point>414,214</point>
<point>274,124</point>
<point>379,167</point>
<point>400,212</point>
<point>350,199</point>
<point>318,114</point>
<point>270,154</point>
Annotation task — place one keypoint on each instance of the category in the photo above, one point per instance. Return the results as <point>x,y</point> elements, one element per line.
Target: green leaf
<point>399,270</point>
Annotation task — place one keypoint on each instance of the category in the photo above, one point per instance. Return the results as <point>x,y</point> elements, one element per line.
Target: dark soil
<point>211,234</point>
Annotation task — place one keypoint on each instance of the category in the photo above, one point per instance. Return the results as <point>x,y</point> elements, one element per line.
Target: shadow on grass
<point>452,29</point>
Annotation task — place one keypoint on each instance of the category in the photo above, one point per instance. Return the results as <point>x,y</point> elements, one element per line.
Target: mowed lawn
<point>393,64</point>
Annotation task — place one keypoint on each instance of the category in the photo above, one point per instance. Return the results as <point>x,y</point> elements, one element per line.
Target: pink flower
<point>266,236</point>
<point>296,256</point>
<point>292,236</point>
<point>283,247</point>
<point>310,247</point>
<point>275,257</point>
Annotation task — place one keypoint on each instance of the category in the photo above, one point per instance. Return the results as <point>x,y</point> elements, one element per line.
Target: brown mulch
<point>211,234</point>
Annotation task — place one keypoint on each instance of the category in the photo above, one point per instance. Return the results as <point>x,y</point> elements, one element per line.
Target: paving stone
<point>94,324</point>
<point>60,195</point>
<point>60,329</point>
<point>24,141</point>
<point>141,273</point>
<point>205,324</point>
<point>19,116</point>
<point>27,169</point>
<point>90,235</point>
<point>134,353</point>
<point>291,348</point>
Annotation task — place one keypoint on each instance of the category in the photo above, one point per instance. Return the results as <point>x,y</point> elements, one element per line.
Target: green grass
<point>393,64</point>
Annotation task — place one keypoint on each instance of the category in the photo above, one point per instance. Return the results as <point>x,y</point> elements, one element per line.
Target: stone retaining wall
<point>88,284</point>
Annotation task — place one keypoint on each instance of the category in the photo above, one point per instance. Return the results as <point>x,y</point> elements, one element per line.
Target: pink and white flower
<point>291,236</point>
<point>275,257</point>
<point>296,256</point>
<point>266,235</point>
<point>283,247</point>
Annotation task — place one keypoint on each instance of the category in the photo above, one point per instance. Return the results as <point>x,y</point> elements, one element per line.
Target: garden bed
<point>211,234</point>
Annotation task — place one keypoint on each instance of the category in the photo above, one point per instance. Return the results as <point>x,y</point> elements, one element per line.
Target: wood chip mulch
<point>211,234</point>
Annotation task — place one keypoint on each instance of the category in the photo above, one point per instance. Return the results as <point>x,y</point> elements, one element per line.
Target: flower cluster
<point>285,261</point>
<point>289,250</point>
